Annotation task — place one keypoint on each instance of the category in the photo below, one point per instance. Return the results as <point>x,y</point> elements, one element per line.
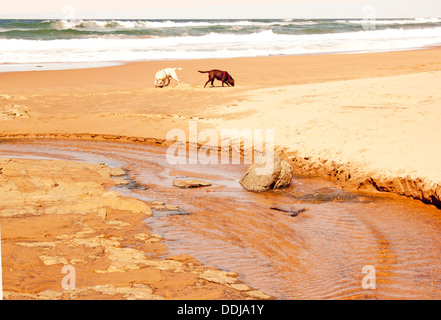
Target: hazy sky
<point>148,9</point>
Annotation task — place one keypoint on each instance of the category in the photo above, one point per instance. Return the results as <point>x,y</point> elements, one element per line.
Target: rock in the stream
<point>190,184</point>
<point>279,177</point>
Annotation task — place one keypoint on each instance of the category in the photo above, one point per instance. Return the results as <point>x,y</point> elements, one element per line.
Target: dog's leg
<point>174,76</point>
<point>209,79</point>
<point>168,81</point>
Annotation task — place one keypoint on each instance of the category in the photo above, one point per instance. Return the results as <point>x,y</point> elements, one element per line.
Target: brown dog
<point>220,75</point>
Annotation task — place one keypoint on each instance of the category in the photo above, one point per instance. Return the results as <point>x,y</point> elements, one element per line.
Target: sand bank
<point>366,120</point>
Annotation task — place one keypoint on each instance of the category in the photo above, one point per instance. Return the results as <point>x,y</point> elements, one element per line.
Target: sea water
<point>48,42</point>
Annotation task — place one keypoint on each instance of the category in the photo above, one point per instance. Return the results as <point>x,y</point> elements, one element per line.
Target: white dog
<point>165,75</point>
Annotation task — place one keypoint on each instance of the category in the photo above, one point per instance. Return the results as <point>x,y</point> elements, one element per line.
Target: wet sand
<point>318,254</point>
<point>65,235</point>
<point>364,120</point>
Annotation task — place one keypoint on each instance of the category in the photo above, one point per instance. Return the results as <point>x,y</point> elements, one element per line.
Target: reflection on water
<point>318,254</point>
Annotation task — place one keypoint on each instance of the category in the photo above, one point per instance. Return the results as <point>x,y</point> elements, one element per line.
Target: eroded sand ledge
<point>60,213</point>
<point>347,176</point>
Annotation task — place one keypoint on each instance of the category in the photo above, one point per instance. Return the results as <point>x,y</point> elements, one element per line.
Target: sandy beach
<point>364,116</point>
<point>365,121</point>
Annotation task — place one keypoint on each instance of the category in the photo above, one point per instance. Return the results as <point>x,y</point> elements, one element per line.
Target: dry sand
<point>365,120</point>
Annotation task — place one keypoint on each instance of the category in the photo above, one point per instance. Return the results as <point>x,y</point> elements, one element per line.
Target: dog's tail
<point>203,71</point>
<point>178,69</point>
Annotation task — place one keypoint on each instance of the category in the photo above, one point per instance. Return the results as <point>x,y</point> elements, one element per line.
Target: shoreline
<point>314,68</point>
<point>53,66</point>
<point>46,66</point>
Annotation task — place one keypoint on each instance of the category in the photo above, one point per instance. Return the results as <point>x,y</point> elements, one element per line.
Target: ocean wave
<point>147,24</point>
<point>80,29</point>
<point>143,24</point>
<point>212,45</point>
<point>150,24</point>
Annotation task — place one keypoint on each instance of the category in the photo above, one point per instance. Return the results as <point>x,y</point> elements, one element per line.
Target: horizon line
<point>249,18</point>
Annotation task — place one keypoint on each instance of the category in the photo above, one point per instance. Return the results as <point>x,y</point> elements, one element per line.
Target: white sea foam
<point>144,24</point>
<point>212,45</point>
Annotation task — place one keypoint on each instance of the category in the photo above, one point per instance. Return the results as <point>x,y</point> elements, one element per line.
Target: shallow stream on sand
<point>319,254</point>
